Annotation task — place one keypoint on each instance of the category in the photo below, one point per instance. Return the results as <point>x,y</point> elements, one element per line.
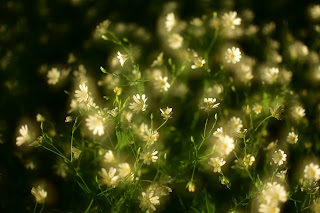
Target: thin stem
<point>35,207</point>
<point>87,210</point>
<point>55,152</point>
<point>262,122</point>
<point>42,207</point>
<point>162,125</point>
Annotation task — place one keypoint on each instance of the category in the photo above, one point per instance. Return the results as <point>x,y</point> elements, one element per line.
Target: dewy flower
<point>216,163</point>
<point>233,55</point>
<point>230,20</point>
<point>209,104</point>
<point>273,194</point>
<point>279,157</point>
<point>53,76</point>
<point>148,200</point>
<point>39,193</point>
<point>170,21</point>
<point>292,138</point>
<point>139,103</point>
<point>108,178</point>
<point>124,170</point>
<point>162,83</point>
<point>166,113</point>
<point>175,41</point>
<point>147,156</point>
<point>82,95</point>
<point>122,58</point>
<point>312,172</point>
<point>95,124</point>
<point>198,62</point>
<point>24,136</point>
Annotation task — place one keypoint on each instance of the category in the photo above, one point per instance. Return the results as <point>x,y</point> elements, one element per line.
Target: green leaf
<point>65,91</point>
<point>103,70</point>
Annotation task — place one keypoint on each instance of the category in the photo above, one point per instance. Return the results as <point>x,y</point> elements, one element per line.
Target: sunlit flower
<point>166,113</point>
<point>292,138</point>
<point>109,157</point>
<point>230,20</point>
<point>298,112</point>
<point>108,178</point>
<point>266,208</point>
<point>122,58</point>
<point>139,103</point>
<point>24,136</point>
<point>124,170</point>
<point>233,55</point>
<point>148,201</point>
<point>209,104</point>
<point>82,95</point>
<point>257,108</point>
<point>235,124</point>
<point>273,194</point>
<point>279,157</point>
<point>248,160</point>
<point>175,41</point>
<point>39,193</point>
<point>95,124</point>
<point>198,62</point>
<point>312,172</point>
<point>270,75</point>
<point>158,61</point>
<point>53,76</point>
<point>216,163</point>
<point>224,145</point>
<point>162,83</point>
<point>170,21</point>
<point>149,156</point>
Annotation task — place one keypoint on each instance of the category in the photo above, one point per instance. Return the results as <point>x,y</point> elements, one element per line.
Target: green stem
<point>162,125</point>
<point>35,207</point>
<point>262,122</point>
<point>87,210</point>
<point>55,153</point>
<point>42,207</point>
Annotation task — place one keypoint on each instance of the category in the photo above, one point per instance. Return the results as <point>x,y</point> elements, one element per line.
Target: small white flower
<point>315,12</point>
<point>39,193</point>
<point>95,124</point>
<point>76,152</point>
<point>198,62</point>
<point>271,75</point>
<point>24,136</point>
<point>209,104</point>
<point>279,157</point>
<point>124,170</point>
<point>40,118</point>
<point>175,41</point>
<point>109,157</point>
<point>108,178</point>
<point>298,112</point>
<point>53,76</point>
<point>166,113</point>
<point>139,103</point>
<point>230,20</point>
<point>248,160</point>
<point>68,119</point>
<point>265,208</point>
<point>282,174</point>
<point>148,200</point>
<point>149,156</point>
<point>235,124</point>
<point>122,58</point>
<point>224,144</point>
<point>216,163</point>
<point>292,138</point>
<point>158,61</point>
<point>162,83</point>
<point>233,55</point>
<point>273,194</point>
<point>170,21</point>
<point>312,172</point>
<point>257,108</point>
<point>82,95</point>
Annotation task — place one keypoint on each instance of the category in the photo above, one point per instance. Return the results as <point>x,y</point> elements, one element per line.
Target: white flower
<point>162,83</point>
<point>108,178</point>
<point>198,62</point>
<point>248,160</point>
<point>53,76</point>
<point>315,12</point>
<point>209,104</point>
<point>139,103</point>
<point>40,118</point>
<point>230,20</point>
<point>148,200</point>
<point>95,124</point>
<point>257,108</point>
<point>282,174</point>
<point>76,152</point>
<point>68,119</point>
<point>292,138</point>
<point>82,94</point>
<point>265,208</point>
<point>124,170</point>
<point>61,169</point>
<point>298,112</point>
<point>233,55</point>
<point>158,61</point>
<point>279,157</point>
<point>170,21</point>
<point>122,58</point>
<point>216,163</point>
<point>175,41</point>
<point>273,194</point>
<point>235,124</point>
<point>24,136</point>
<point>166,113</point>
<point>270,75</point>
<point>39,193</point>
<point>312,172</point>
<point>109,157</point>
<point>224,145</point>
<point>191,186</point>
<point>147,156</point>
